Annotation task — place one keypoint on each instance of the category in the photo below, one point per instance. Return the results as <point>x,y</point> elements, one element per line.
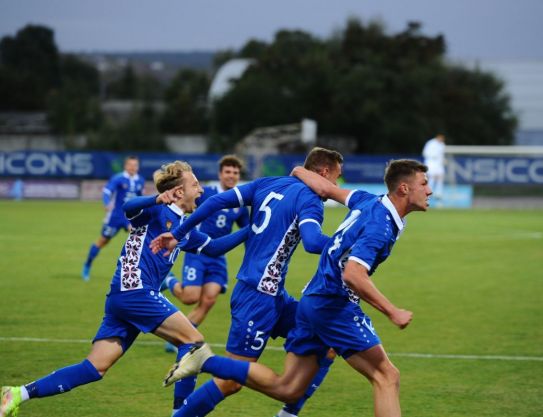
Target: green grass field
<point>473,279</point>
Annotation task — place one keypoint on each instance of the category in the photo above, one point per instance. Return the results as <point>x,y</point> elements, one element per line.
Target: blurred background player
<point>134,303</point>
<point>284,211</point>
<point>120,188</point>
<point>434,158</point>
<point>204,277</point>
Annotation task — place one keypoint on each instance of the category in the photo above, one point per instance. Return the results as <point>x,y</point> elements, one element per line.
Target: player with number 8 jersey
<point>284,211</point>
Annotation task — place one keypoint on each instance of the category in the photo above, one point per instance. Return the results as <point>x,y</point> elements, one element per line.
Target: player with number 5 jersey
<point>284,211</point>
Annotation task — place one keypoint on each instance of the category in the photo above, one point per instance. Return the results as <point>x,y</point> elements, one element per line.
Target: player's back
<point>279,205</point>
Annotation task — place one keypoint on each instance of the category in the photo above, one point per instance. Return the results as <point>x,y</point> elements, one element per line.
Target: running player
<point>134,303</point>
<point>120,188</point>
<point>284,211</point>
<point>205,277</point>
<point>329,314</point>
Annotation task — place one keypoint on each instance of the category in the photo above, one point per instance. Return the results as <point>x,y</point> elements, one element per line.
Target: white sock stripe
<point>280,349</point>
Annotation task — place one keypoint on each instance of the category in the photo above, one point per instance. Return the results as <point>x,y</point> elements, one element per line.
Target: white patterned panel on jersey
<point>130,271</point>
<point>353,298</point>
<point>269,283</point>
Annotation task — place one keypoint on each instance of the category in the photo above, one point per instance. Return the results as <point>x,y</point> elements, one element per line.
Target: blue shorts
<point>323,322</point>
<point>113,223</point>
<point>131,312</point>
<point>256,317</point>
<point>199,270</point>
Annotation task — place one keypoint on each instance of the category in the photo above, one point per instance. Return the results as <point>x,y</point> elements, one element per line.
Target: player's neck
<point>400,204</point>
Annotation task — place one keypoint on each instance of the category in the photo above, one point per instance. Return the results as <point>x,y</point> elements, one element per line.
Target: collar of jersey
<point>176,209</point>
<point>397,219</point>
<point>131,177</point>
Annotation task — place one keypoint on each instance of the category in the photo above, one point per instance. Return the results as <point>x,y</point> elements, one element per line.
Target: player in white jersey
<point>434,158</point>
<point>329,314</point>
<point>134,303</point>
<point>284,211</point>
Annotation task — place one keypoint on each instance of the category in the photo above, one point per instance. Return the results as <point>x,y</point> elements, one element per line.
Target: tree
<point>186,103</point>
<point>388,92</point>
<point>29,68</point>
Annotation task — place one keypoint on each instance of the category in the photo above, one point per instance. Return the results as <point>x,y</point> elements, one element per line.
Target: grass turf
<point>472,278</point>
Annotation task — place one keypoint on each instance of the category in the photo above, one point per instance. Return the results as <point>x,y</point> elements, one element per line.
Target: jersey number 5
<point>267,212</point>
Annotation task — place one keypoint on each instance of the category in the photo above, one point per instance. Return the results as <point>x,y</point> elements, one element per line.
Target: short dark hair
<point>319,158</point>
<point>230,161</point>
<point>134,157</point>
<point>401,169</point>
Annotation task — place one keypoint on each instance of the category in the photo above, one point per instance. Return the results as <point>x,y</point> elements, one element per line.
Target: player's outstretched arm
<point>134,206</point>
<point>227,199</point>
<point>320,185</point>
<point>356,277</point>
<point>224,244</point>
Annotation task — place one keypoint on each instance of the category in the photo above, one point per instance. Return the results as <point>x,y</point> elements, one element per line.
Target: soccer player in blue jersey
<point>329,314</point>
<point>120,188</point>
<point>205,277</point>
<point>134,303</point>
<point>284,210</point>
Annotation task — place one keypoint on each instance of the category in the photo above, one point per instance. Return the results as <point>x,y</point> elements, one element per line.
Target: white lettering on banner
<point>38,163</point>
<point>491,171</point>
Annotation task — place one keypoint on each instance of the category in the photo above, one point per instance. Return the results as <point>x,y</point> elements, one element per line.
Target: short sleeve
<point>367,248</point>
<point>357,196</point>
<point>310,207</point>
<point>246,192</point>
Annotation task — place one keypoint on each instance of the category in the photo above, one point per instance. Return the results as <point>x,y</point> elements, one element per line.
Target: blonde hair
<point>170,175</point>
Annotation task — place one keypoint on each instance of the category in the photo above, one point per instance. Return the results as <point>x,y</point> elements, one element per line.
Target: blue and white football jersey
<point>366,236</point>
<point>221,222</point>
<point>122,188</point>
<point>137,267</point>
<point>279,206</point>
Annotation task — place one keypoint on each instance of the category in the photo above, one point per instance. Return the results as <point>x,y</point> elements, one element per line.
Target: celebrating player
<point>134,303</point>
<point>204,277</point>
<point>120,188</point>
<point>329,314</point>
<point>284,210</point>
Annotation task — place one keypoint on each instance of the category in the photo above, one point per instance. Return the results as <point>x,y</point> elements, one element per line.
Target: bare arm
<point>356,277</point>
<point>320,185</point>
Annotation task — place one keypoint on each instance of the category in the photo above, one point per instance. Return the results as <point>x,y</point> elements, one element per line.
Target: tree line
<point>388,93</point>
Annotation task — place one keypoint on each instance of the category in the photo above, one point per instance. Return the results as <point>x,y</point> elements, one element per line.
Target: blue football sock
<point>226,368</point>
<point>170,282</point>
<point>295,408</point>
<point>184,387</point>
<point>63,380</point>
<point>93,252</point>
<point>202,401</point>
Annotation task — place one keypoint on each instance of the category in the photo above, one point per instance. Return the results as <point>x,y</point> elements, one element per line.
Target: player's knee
<point>207,302</point>
<point>290,393</point>
<point>388,376</point>
<point>189,299</point>
<point>228,387</point>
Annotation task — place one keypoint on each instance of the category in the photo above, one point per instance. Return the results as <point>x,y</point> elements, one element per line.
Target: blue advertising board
<point>95,165</point>
<point>356,168</point>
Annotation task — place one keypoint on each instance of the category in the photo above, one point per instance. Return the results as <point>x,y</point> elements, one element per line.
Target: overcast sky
<point>474,29</point>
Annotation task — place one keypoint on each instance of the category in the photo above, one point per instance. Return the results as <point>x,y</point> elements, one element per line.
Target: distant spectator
<point>434,159</point>
<point>17,190</point>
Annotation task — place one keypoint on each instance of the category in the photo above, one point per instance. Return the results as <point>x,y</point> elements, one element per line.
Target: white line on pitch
<point>277,348</point>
